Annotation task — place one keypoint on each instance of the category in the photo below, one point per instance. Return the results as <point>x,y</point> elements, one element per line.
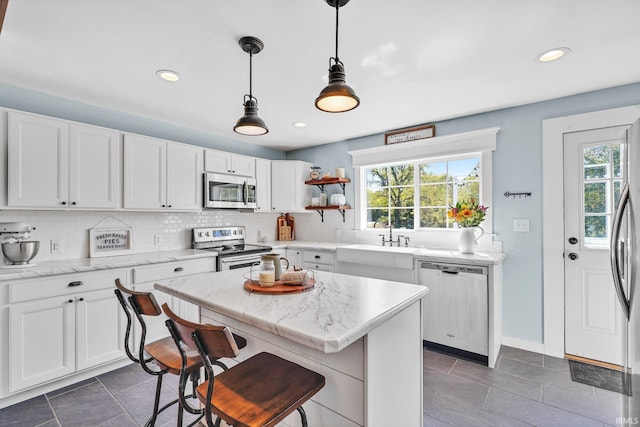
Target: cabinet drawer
<point>317,257</point>
<point>318,267</point>
<point>32,289</point>
<point>168,270</point>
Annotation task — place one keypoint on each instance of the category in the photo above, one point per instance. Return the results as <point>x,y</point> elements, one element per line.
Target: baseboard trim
<point>536,347</point>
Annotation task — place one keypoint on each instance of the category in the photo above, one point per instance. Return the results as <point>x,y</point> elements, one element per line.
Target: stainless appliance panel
<point>229,191</point>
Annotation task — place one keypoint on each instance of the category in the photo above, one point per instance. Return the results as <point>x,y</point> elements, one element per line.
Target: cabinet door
<point>184,176</point>
<point>38,161</point>
<point>100,328</point>
<point>217,161</point>
<point>94,167</point>
<point>295,257</point>
<point>41,341</point>
<point>288,190</point>
<point>145,163</point>
<point>263,185</point>
<point>243,165</point>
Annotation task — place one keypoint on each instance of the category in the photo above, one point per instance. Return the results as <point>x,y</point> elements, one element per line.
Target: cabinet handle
<point>80,299</point>
<point>168,206</point>
<point>178,269</point>
<point>70,301</point>
<point>451,335</point>
<point>233,171</point>
<point>450,272</point>
<point>76,283</point>
<point>163,206</point>
<point>64,203</point>
<point>317,257</point>
<point>73,203</point>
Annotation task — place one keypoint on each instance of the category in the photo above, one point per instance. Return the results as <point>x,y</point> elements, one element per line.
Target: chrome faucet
<point>390,227</point>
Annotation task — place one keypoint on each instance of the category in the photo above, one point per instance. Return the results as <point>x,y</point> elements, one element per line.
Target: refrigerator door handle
<point>614,252</point>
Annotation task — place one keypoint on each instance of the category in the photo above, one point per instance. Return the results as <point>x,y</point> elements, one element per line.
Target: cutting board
<point>285,227</point>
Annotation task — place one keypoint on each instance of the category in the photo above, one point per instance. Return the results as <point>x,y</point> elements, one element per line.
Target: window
<point>602,185</point>
<point>414,183</point>
<point>418,194</point>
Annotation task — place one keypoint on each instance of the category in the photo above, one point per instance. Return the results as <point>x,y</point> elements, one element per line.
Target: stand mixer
<point>17,250</point>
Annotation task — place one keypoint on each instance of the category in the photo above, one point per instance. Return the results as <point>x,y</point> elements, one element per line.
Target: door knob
<point>573,256</point>
<point>573,240</point>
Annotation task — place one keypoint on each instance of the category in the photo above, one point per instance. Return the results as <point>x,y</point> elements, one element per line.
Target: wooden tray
<point>278,289</point>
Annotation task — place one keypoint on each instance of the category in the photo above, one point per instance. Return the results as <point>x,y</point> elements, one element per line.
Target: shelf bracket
<point>321,215</point>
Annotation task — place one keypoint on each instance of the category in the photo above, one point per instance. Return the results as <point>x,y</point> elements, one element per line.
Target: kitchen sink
<point>383,256</point>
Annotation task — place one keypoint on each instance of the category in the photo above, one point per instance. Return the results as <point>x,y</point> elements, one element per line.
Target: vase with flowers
<point>468,215</point>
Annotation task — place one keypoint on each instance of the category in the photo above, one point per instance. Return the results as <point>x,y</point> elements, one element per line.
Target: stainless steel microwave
<point>229,191</point>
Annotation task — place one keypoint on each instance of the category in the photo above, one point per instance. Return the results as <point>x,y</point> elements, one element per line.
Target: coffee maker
<point>17,249</point>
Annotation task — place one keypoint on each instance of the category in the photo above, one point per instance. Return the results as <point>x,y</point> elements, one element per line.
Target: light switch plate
<point>521,225</point>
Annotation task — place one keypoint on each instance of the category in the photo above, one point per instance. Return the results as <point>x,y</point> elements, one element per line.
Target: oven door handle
<point>245,193</point>
<point>237,259</point>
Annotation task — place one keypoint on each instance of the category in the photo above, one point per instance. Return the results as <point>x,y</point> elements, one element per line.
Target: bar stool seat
<point>167,357</point>
<point>260,391</point>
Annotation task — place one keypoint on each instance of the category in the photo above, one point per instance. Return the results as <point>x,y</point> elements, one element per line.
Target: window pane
<point>467,191</point>
<point>377,218</point>
<point>377,177</point>
<point>401,196</point>
<point>433,217</point>
<point>596,155</point>
<point>462,170</point>
<point>378,199</point>
<point>594,172</point>
<point>595,197</point>
<point>435,195</point>
<point>433,172</point>
<point>595,227</point>
<point>402,218</point>
<point>617,170</point>
<point>401,175</point>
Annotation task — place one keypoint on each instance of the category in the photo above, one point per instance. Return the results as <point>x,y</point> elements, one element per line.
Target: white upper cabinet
<point>223,162</point>
<point>184,176</point>
<point>161,175</point>
<point>57,164</point>
<point>263,185</point>
<point>288,190</point>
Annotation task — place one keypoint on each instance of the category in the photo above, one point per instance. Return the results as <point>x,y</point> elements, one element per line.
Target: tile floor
<point>525,389</point>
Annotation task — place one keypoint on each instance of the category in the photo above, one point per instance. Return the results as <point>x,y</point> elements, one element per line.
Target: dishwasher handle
<point>454,268</point>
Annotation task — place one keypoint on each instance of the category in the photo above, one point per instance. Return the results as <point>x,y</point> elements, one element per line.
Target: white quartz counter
<point>51,268</point>
<point>339,310</point>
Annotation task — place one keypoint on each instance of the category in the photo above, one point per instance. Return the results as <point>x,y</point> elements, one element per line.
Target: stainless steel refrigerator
<point>625,265</point>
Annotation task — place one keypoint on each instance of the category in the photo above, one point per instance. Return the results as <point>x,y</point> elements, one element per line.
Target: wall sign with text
<point>110,241</point>
<point>411,134</point>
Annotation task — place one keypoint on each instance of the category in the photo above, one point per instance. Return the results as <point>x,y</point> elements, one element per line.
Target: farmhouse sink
<point>382,256</point>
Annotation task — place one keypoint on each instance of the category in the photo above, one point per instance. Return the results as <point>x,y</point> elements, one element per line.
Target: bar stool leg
<point>156,403</point>
<point>303,416</point>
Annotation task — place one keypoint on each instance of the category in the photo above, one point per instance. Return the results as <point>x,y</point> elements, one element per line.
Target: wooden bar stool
<point>261,391</point>
<point>159,357</point>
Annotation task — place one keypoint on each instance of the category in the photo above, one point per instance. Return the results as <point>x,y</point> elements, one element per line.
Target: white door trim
<point>552,213</point>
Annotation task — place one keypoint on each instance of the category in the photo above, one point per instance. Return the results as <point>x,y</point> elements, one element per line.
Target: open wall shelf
<point>320,183</point>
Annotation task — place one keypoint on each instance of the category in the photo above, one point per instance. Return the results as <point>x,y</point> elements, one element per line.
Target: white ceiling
<point>409,61</point>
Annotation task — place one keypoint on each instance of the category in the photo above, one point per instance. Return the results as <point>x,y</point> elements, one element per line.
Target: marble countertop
<point>51,268</point>
<point>479,258</point>
<point>338,311</point>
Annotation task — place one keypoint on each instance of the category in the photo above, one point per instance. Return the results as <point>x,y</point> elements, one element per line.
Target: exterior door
<point>594,175</point>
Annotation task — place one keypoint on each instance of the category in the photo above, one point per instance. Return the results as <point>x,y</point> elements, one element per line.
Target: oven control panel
<point>217,235</point>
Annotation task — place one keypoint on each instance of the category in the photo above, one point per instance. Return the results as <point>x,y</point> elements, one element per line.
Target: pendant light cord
<point>337,9</point>
<point>250,73</point>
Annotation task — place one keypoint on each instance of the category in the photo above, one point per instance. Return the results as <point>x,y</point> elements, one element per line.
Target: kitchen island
<point>364,335</point>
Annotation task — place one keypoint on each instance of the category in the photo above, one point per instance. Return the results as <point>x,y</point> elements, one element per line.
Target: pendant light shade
<point>337,96</point>
<point>250,123</point>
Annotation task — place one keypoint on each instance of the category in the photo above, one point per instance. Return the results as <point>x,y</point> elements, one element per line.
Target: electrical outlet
<point>521,225</point>
<point>156,240</point>
<point>57,246</point>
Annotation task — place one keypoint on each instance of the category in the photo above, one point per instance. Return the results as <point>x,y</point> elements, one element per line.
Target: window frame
<point>480,143</point>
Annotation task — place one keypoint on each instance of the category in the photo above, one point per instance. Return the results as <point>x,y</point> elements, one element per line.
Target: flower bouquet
<point>467,213</point>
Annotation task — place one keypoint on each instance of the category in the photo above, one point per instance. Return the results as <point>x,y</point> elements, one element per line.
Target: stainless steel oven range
<point>228,242</point>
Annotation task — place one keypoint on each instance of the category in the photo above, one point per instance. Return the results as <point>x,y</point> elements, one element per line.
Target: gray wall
<point>517,167</point>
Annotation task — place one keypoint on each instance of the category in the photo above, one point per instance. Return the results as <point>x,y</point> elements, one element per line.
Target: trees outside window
<point>417,194</point>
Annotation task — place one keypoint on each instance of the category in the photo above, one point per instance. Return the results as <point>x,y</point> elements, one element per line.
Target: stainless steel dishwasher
<point>456,311</point>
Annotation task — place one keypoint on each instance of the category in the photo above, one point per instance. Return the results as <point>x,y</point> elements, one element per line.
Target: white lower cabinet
<point>144,278</point>
<point>318,260</point>
<point>54,336</point>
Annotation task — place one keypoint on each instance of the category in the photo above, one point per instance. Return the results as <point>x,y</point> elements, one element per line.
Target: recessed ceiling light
<point>299,124</point>
<point>168,75</point>
<point>553,54</point>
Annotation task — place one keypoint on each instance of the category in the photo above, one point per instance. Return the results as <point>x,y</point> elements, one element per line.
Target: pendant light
<point>338,96</point>
<point>250,123</point>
